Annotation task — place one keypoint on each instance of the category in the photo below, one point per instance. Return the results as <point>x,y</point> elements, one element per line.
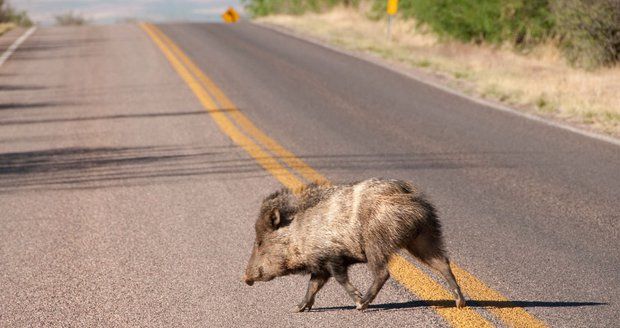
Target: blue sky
<point>99,11</point>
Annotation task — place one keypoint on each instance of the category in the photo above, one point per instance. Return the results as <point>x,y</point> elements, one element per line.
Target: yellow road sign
<point>392,7</point>
<point>230,16</point>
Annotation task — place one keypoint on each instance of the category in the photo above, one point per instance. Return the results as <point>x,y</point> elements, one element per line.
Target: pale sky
<point>100,11</point>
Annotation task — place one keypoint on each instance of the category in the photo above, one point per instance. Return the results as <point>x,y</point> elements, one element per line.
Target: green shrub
<point>10,15</point>
<point>589,31</point>
<point>295,7</point>
<point>70,19</point>
<point>493,21</point>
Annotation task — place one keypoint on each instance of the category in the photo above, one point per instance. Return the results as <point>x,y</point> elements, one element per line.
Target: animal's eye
<point>258,243</point>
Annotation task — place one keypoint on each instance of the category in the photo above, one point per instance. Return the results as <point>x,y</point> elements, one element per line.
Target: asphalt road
<point>123,203</point>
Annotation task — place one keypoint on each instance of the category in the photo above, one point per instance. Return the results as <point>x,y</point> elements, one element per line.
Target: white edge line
<point>382,63</point>
<point>16,44</point>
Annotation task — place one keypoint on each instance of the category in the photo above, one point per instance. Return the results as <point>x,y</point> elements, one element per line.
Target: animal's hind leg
<point>442,264</point>
<point>379,270</point>
<point>340,273</point>
<point>429,250</point>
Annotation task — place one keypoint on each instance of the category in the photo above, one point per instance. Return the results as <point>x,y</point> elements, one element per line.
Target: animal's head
<point>270,253</point>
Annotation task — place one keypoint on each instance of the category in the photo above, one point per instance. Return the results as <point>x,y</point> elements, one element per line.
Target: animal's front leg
<point>316,283</point>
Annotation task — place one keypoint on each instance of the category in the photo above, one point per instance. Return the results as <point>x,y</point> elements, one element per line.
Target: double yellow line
<point>293,173</point>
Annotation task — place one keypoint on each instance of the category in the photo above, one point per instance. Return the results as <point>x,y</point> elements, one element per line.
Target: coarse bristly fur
<point>323,229</point>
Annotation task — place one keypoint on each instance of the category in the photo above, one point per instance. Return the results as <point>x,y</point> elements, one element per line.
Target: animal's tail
<point>428,247</point>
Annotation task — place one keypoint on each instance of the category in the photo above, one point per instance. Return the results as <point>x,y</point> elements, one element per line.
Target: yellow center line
<point>409,275</point>
<point>403,271</point>
<point>265,160</point>
<point>288,157</point>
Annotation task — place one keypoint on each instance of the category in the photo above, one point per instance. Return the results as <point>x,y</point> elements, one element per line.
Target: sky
<point>110,11</point>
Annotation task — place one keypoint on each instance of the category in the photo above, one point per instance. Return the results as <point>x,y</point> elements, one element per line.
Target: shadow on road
<point>88,168</point>
<point>6,87</point>
<point>93,118</point>
<point>407,161</point>
<point>59,43</point>
<point>91,168</point>
<point>471,303</point>
<point>32,105</point>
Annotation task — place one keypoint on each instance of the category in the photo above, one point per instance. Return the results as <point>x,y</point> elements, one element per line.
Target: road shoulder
<point>444,83</point>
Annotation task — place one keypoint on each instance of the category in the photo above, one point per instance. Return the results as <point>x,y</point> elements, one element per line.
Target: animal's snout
<point>251,276</point>
<point>248,280</point>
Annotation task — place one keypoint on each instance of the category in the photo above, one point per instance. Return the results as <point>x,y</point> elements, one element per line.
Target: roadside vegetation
<point>70,19</point>
<point>557,58</point>
<point>294,7</point>
<point>10,18</point>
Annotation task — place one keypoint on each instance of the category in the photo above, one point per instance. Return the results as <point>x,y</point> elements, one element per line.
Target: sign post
<point>392,9</point>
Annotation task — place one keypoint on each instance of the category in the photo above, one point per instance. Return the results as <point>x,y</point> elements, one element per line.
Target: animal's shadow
<point>470,303</point>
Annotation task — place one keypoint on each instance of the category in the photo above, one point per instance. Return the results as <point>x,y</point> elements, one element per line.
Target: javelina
<point>322,230</point>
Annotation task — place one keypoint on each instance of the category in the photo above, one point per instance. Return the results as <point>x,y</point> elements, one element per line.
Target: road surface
<point>128,200</point>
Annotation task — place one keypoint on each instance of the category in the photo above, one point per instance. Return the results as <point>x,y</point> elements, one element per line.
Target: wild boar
<point>323,229</point>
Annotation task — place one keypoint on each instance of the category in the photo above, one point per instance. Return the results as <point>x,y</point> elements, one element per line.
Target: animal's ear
<point>275,219</point>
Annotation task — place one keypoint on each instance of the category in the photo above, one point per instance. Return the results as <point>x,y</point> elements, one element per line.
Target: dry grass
<point>5,27</point>
<point>538,81</point>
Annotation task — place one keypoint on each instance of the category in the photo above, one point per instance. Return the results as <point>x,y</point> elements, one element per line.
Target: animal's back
<point>391,212</point>
<point>326,229</point>
<point>350,218</point>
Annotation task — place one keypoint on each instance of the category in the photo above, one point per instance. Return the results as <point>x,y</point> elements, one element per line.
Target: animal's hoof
<point>361,306</point>
<point>301,307</point>
<point>460,303</point>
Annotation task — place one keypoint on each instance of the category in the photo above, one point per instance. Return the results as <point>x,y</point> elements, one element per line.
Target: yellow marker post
<point>392,9</point>
<point>230,16</point>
